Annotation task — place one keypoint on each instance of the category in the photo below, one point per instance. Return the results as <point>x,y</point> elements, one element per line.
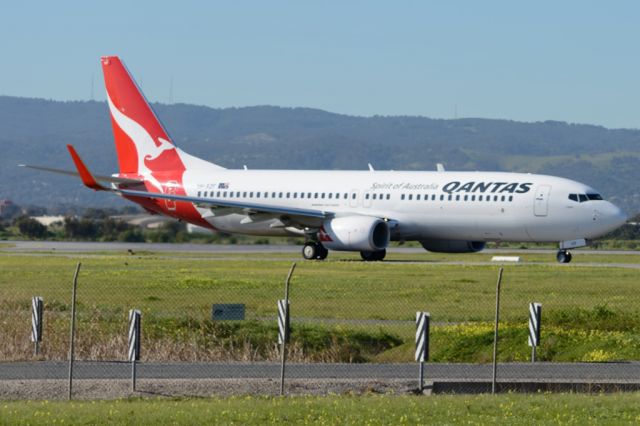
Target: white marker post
<point>422,343</point>
<point>37,306</point>
<point>134,343</point>
<point>283,326</point>
<point>535,317</point>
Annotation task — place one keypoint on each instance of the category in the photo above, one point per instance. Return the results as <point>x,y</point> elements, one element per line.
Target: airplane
<point>362,211</point>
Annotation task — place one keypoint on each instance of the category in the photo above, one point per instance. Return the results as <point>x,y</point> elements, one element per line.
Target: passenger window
<point>266,195</point>
<point>582,198</point>
<point>510,198</point>
<point>273,195</point>
<point>322,195</point>
<point>224,194</point>
<point>417,197</point>
<point>302,195</point>
<point>199,193</point>
<point>388,196</point>
<point>251,194</point>
<point>402,196</point>
<point>308,195</point>
<point>366,196</point>
<point>466,197</point>
<point>295,195</point>
<point>280,195</point>
<point>346,195</point>
<point>218,194</point>
<point>479,197</point>
<point>503,198</point>
<point>315,195</point>
<point>330,195</point>
<point>288,195</point>
<point>473,198</point>
<point>353,196</point>
<point>458,197</point>
<point>495,198</point>
<point>337,195</point>
<point>450,197</point>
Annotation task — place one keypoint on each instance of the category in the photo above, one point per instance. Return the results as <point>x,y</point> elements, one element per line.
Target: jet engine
<point>453,246</point>
<point>355,233</point>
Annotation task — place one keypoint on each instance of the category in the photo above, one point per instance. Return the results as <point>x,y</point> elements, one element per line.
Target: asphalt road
<point>628,372</point>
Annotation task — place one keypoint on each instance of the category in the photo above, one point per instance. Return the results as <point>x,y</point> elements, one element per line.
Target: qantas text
<point>492,187</point>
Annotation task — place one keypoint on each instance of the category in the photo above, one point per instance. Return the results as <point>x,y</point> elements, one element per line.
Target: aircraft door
<point>353,198</point>
<point>541,202</point>
<point>366,200</point>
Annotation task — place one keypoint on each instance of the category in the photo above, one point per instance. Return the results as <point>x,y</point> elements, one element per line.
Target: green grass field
<point>589,313</point>
<point>506,409</point>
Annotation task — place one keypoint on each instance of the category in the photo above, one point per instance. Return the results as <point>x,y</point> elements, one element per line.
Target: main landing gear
<point>371,256</point>
<point>314,251</point>
<point>563,256</point>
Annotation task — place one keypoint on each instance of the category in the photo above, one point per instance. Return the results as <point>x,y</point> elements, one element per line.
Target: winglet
<point>86,176</point>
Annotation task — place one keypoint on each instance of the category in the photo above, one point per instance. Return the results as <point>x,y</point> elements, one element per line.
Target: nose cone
<point>614,217</point>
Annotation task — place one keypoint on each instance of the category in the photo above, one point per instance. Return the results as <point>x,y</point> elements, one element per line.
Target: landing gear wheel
<point>563,256</point>
<point>313,251</point>
<point>322,252</point>
<point>310,251</point>
<point>372,256</point>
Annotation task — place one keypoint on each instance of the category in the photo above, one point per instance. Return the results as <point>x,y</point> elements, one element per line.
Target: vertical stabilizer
<point>142,144</point>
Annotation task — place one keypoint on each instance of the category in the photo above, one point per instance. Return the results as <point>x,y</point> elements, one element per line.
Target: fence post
<point>422,344</point>
<point>535,317</point>
<point>495,334</point>
<point>37,306</point>
<point>283,326</point>
<point>73,328</point>
<point>135,317</point>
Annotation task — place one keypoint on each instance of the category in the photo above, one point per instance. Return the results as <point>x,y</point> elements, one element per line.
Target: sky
<point>574,61</point>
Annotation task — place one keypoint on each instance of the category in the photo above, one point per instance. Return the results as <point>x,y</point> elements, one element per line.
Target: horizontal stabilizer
<point>100,178</point>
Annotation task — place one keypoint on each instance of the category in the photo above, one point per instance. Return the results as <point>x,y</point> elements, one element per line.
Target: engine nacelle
<point>355,233</point>
<point>453,246</point>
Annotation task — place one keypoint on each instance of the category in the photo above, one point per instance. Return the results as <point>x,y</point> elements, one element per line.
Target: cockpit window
<point>581,198</point>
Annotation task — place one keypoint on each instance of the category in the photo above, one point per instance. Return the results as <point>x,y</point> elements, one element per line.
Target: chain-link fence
<point>209,325</point>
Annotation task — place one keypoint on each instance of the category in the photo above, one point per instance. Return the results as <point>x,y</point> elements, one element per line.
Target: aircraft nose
<point>615,216</point>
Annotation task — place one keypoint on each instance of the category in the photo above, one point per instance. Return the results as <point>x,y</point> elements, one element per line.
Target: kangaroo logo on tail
<point>142,144</point>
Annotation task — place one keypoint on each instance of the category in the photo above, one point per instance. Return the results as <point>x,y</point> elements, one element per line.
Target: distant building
<point>48,220</point>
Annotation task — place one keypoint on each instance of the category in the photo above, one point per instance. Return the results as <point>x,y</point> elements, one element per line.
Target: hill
<point>36,131</point>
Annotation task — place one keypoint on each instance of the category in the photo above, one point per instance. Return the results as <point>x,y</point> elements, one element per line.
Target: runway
<point>231,252</point>
<point>76,246</point>
<point>623,372</point>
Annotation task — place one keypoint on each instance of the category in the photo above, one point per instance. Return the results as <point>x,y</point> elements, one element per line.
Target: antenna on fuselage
<point>440,167</point>
<point>371,169</point>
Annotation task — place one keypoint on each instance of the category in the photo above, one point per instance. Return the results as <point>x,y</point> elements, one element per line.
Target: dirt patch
<point>113,389</point>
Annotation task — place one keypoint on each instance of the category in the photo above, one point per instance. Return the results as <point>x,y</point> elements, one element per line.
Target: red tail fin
<point>142,144</point>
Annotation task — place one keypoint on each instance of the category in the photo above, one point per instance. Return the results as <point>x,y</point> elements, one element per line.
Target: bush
<point>30,227</point>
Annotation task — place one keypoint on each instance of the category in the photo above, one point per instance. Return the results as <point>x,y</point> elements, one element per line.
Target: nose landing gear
<point>314,251</point>
<point>563,256</point>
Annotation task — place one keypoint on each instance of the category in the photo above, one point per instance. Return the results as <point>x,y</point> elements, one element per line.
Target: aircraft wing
<point>287,215</point>
<point>235,206</point>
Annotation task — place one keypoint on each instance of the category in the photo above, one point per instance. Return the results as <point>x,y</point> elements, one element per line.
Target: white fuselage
<point>471,206</point>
